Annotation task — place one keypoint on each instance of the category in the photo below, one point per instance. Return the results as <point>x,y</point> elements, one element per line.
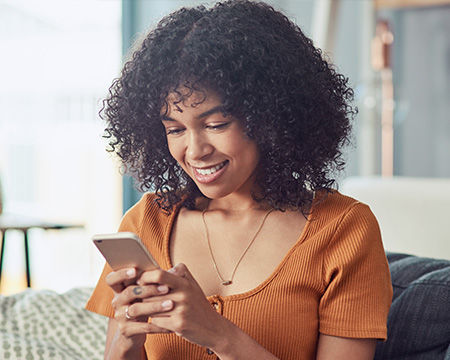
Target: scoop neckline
<point>238,296</point>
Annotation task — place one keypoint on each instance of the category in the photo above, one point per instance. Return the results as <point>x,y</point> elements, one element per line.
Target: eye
<point>174,131</point>
<point>217,126</point>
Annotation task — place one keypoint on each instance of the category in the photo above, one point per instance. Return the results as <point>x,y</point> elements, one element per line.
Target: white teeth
<point>211,170</point>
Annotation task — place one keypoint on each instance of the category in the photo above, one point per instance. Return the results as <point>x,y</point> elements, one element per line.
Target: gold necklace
<point>230,281</point>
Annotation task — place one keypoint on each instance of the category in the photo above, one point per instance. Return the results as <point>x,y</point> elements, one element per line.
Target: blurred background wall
<point>57,59</point>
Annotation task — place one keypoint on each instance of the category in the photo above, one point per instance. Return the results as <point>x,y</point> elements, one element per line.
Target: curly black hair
<point>268,74</point>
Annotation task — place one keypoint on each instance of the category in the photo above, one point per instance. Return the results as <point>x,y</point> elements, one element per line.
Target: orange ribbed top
<point>335,280</point>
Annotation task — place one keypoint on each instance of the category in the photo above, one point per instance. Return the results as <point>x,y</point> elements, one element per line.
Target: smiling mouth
<point>209,175</point>
<point>211,170</point>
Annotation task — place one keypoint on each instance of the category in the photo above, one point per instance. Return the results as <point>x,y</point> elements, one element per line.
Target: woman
<point>235,121</point>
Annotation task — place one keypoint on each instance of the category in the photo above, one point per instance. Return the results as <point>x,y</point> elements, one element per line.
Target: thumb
<point>181,270</point>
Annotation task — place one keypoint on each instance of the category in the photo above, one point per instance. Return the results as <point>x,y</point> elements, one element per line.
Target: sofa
<point>419,318</point>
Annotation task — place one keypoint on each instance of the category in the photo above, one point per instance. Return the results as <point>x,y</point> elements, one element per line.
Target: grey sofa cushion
<point>419,318</point>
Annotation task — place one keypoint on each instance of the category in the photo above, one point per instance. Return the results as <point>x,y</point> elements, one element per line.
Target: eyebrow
<point>214,110</point>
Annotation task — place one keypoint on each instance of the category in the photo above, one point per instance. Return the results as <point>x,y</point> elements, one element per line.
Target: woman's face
<point>211,148</point>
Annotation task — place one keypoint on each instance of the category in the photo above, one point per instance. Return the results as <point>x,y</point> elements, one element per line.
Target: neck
<point>235,204</point>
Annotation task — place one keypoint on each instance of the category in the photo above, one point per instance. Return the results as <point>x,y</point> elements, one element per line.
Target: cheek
<point>248,150</point>
<point>174,150</point>
<point>254,157</point>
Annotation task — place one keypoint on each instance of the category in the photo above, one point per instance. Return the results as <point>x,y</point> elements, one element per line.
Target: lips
<point>207,175</point>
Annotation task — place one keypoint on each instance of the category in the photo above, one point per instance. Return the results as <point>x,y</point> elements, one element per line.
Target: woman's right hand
<point>126,335</point>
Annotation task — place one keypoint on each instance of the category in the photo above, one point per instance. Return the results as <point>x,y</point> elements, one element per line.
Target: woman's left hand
<point>191,316</point>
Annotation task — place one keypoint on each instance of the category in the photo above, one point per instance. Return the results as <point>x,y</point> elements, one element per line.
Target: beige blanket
<point>47,325</point>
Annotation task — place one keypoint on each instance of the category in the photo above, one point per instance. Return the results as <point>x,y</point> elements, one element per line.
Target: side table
<point>23,224</point>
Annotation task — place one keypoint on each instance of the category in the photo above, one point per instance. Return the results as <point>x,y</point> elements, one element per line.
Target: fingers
<point>134,293</point>
<point>171,278</point>
<point>130,315</point>
<point>118,280</point>
<point>146,309</point>
<point>147,297</point>
<point>130,312</point>
<point>133,328</point>
<point>181,270</point>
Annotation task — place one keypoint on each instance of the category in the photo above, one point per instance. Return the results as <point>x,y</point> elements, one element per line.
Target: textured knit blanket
<point>47,325</point>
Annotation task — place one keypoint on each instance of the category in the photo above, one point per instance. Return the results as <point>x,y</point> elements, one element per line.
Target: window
<point>58,59</point>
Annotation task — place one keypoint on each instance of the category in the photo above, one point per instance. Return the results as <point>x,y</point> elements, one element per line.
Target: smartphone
<point>124,250</point>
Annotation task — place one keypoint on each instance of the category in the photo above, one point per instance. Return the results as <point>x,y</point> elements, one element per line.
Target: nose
<point>198,146</point>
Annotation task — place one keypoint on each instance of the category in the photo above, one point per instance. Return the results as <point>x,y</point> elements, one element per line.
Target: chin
<point>213,194</point>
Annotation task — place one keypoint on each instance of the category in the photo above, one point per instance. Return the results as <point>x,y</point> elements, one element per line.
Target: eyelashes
<point>218,126</point>
<point>213,127</point>
<point>173,131</point>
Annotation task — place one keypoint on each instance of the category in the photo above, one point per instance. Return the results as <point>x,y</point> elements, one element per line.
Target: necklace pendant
<point>226,282</point>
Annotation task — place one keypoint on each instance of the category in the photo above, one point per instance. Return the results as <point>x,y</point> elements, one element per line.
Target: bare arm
<point>339,348</point>
<point>236,344</point>
<point>117,348</point>
<point>126,335</point>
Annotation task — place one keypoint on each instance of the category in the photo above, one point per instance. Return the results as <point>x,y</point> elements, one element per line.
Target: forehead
<point>187,98</point>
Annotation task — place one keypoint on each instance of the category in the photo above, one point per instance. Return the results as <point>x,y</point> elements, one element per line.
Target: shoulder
<point>348,229</point>
<point>146,212</point>
<point>353,234</point>
<point>334,207</point>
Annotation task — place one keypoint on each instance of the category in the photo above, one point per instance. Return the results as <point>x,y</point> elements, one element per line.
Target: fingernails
<point>131,273</point>
<point>174,269</point>
<point>162,289</point>
<point>166,304</point>
<point>114,300</point>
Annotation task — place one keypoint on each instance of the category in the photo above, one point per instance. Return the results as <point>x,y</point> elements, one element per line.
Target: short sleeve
<point>358,290</point>
<point>100,300</point>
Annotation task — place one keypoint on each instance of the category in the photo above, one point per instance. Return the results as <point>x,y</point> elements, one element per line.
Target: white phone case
<point>124,250</point>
